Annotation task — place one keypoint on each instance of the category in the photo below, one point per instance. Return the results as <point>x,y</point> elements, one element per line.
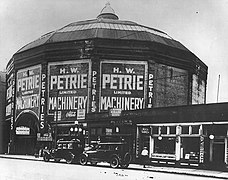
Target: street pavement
<point>173,170</point>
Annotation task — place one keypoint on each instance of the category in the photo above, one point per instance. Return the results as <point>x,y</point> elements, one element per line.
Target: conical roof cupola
<point>107,13</point>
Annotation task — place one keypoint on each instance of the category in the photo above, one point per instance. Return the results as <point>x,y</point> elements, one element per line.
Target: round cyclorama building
<point>59,85</point>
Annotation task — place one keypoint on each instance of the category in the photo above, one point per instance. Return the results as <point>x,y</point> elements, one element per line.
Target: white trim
<point>183,124</point>
<point>226,150</point>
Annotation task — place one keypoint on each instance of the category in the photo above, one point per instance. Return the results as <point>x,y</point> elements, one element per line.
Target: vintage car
<point>68,150</point>
<point>115,153</point>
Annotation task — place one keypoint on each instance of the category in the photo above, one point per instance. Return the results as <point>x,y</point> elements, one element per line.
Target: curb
<point>134,166</point>
<point>21,158</point>
<point>188,173</point>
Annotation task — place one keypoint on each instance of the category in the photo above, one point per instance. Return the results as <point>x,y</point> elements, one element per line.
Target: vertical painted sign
<point>28,90</point>
<point>150,90</point>
<point>201,155</point>
<point>68,89</point>
<point>123,85</point>
<point>94,88</point>
<point>43,97</point>
<point>9,95</point>
<point>10,88</point>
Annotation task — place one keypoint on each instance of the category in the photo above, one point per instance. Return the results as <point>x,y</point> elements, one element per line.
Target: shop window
<point>172,130</point>
<point>155,129</point>
<point>185,130</point>
<point>99,131</point>
<point>195,129</point>
<point>163,130</point>
<point>108,131</point>
<point>190,148</point>
<point>145,141</point>
<point>93,131</point>
<point>164,145</point>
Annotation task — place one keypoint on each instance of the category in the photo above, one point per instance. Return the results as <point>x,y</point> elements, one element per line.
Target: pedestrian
<point>144,155</point>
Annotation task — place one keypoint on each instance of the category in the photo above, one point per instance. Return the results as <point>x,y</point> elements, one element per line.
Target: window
<point>195,129</point>
<point>185,130</point>
<point>93,131</point>
<point>155,130</point>
<point>165,145</point>
<point>163,130</point>
<point>190,148</point>
<point>99,131</point>
<point>172,130</point>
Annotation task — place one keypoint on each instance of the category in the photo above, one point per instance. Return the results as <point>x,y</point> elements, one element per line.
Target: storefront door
<point>218,155</point>
<point>25,145</point>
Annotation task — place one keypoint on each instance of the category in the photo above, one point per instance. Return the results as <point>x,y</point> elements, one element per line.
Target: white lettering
<point>28,83</point>
<point>67,103</point>
<point>121,81</point>
<point>124,103</point>
<point>74,81</point>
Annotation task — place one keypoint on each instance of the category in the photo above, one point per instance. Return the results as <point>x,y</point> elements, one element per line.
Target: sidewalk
<point>174,170</point>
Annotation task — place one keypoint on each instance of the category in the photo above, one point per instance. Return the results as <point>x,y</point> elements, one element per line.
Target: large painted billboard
<point>28,90</point>
<point>68,89</point>
<point>123,85</point>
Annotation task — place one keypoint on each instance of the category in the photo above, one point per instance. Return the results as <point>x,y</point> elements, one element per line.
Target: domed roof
<point>108,26</point>
<point>107,12</point>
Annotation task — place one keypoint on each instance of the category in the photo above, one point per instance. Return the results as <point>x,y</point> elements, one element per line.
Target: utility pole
<point>218,88</point>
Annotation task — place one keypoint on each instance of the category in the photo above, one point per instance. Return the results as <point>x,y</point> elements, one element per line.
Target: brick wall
<point>171,86</point>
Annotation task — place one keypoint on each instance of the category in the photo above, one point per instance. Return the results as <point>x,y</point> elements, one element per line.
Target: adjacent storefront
<point>189,144</point>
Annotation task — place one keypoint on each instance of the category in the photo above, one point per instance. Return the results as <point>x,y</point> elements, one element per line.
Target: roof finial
<point>107,12</point>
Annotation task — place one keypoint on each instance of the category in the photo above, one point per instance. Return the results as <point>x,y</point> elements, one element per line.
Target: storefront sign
<point>201,155</point>
<point>68,88</point>
<point>108,131</point>
<point>122,122</point>
<point>45,137</point>
<point>163,156</point>
<point>123,85</point>
<point>22,130</point>
<point>115,112</point>
<point>81,114</point>
<point>28,90</point>
<point>137,148</point>
<point>145,130</point>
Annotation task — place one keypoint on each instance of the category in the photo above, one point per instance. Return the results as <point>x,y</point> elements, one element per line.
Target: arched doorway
<point>26,129</point>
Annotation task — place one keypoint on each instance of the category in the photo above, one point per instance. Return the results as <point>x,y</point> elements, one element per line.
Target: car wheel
<point>46,157</point>
<point>127,159</point>
<point>70,158</point>
<point>114,163</point>
<point>83,160</point>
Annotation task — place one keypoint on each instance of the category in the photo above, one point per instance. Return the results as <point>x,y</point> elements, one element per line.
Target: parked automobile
<point>115,153</point>
<point>68,150</point>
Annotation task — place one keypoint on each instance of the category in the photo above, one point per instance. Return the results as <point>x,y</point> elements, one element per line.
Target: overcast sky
<point>200,25</point>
